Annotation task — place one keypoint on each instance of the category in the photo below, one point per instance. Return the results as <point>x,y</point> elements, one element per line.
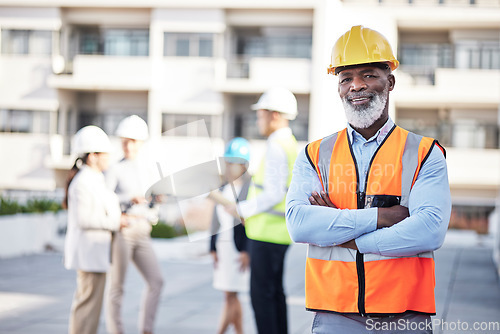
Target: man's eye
<point>346,80</point>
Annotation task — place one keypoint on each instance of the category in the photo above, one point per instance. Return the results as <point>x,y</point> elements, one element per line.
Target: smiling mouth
<point>360,100</point>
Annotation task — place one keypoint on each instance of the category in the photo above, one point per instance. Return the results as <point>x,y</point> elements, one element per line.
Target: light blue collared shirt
<point>429,206</point>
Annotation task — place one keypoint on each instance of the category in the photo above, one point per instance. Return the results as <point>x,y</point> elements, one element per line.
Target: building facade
<point>193,69</point>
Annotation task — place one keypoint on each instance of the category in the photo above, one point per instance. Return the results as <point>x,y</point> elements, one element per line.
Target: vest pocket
<point>381,201</point>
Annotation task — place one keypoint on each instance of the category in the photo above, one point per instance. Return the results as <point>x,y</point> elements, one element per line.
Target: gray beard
<point>362,117</point>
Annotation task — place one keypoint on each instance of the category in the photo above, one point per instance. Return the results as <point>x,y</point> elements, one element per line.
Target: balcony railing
<point>421,60</point>
<point>460,133</point>
<point>238,69</point>
<point>461,3</point>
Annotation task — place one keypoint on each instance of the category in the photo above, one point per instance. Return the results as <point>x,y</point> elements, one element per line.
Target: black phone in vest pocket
<point>381,201</point>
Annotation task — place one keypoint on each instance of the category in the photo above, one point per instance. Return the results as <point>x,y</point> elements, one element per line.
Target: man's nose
<point>357,84</point>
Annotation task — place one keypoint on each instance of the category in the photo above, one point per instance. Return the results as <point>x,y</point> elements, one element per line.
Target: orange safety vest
<point>344,280</point>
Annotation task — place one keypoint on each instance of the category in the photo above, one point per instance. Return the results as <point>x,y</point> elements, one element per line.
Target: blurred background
<point>192,69</point>
<point>65,64</point>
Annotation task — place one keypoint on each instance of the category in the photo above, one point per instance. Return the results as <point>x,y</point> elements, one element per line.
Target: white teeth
<point>360,99</point>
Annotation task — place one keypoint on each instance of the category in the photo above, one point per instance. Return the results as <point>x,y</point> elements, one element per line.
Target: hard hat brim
<point>235,160</point>
<point>256,106</point>
<point>287,116</point>
<point>385,65</point>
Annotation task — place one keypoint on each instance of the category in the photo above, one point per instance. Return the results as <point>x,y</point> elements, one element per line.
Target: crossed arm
<point>386,217</point>
<point>395,231</point>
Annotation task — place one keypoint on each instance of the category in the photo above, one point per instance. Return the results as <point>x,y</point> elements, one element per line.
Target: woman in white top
<point>93,213</point>
<point>228,243</point>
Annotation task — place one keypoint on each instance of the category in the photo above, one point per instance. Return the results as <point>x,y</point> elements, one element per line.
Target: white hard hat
<point>133,127</point>
<point>278,99</point>
<point>90,139</point>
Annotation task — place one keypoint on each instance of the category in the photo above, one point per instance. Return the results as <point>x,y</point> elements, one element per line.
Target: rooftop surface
<point>36,291</point>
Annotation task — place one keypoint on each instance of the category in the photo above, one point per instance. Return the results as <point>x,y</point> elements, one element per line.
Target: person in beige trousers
<point>93,213</point>
<point>129,179</point>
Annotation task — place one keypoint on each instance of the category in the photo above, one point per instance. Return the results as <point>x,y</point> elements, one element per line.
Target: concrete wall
<point>473,168</point>
<point>24,234</point>
<point>27,87</point>
<point>23,164</point>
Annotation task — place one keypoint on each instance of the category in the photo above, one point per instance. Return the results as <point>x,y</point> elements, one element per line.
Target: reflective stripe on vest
<point>344,280</point>
<point>270,226</point>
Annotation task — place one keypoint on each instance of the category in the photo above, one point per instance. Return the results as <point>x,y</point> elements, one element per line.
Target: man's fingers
<point>312,201</point>
<point>319,199</point>
<point>327,200</point>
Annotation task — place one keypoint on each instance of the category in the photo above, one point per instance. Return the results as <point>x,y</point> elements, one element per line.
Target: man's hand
<point>138,200</point>
<point>244,261</point>
<point>321,200</point>
<point>350,244</point>
<point>389,216</point>
<point>231,209</point>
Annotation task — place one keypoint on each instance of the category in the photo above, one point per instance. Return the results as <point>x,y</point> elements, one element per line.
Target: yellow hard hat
<point>361,46</point>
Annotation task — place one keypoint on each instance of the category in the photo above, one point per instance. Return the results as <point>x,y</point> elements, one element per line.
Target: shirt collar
<point>281,133</point>
<point>379,136</point>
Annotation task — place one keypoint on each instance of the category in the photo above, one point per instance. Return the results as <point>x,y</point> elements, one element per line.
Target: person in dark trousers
<point>264,210</point>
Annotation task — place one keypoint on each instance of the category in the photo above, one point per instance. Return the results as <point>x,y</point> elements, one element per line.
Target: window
<point>191,125</point>
<point>472,133</point>
<point>427,55</point>
<point>286,42</point>
<point>246,126</point>
<point>126,42</point>
<point>464,54</point>
<point>477,54</point>
<point>453,128</point>
<point>425,122</point>
<point>245,120</point>
<point>114,42</point>
<point>188,45</point>
<point>107,122</point>
<point>24,121</point>
<point>34,42</point>
<point>89,42</point>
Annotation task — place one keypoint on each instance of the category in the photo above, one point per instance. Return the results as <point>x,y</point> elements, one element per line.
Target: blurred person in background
<point>93,212</point>
<point>130,179</point>
<point>228,244</point>
<point>264,210</point>
<point>373,203</point>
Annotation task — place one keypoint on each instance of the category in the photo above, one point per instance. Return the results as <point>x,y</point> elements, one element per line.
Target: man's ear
<point>275,115</point>
<point>392,81</point>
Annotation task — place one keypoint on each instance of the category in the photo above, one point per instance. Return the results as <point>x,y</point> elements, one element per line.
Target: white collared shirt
<point>275,177</point>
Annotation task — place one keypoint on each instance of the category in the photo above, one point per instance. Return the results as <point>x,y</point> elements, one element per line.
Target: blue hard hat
<point>237,150</point>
